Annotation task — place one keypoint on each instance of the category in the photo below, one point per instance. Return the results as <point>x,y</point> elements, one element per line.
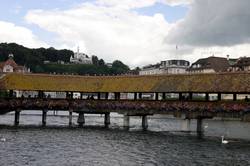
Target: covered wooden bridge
<point>195,96</point>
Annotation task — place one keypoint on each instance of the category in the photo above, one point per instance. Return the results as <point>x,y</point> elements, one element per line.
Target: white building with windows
<point>166,67</point>
<point>80,58</point>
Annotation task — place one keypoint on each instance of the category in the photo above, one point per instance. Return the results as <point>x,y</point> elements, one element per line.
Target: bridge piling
<point>185,126</point>
<point>126,119</point>
<point>17,117</point>
<point>144,122</point>
<point>81,119</point>
<point>70,117</point>
<point>107,119</point>
<point>44,117</point>
<point>200,131</point>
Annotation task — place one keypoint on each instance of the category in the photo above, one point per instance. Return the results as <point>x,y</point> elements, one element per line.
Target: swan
<point>3,139</point>
<point>224,141</point>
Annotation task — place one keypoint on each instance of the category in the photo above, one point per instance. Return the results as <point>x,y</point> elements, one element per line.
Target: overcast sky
<point>138,32</point>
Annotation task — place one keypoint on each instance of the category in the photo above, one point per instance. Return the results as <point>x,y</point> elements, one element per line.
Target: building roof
<point>218,64</point>
<point>215,82</point>
<point>155,66</point>
<point>244,61</point>
<point>10,62</point>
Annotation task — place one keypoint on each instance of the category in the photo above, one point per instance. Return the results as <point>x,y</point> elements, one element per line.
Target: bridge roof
<point>223,82</point>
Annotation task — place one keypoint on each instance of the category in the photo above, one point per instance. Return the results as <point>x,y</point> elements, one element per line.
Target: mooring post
<point>44,116</point>
<point>70,117</point>
<point>17,117</point>
<point>126,121</point>
<point>200,131</point>
<point>81,119</point>
<point>144,122</point>
<point>107,119</point>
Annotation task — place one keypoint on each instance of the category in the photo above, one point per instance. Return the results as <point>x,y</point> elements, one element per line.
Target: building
<point>242,64</point>
<point>10,66</point>
<point>80,58</point>
<point>150,70</point>
<point>209,65</point>
<point>166,67</point>
<point>174,66</point>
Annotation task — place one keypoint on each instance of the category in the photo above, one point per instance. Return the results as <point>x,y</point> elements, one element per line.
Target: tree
<point>95,60</point>
<point>101,62</point>
<point>119,68</point>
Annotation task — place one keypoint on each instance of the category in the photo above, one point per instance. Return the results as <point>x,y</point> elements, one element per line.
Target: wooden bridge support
<point>81,119</point>
<point>70,117</point>
<point>140,96</point>
<point>106,95</point>
<point>219,97</point>
<point>99,96</point>
<point>200,130</point>
<point>144,122</point>
<point>156,96</point>
<point>17,117</point>
<point>206,96</point>
<point>180,96</point>
<point>163,96</point>
<point>185,126</point>
<point>107,119</point>
<point>234,97</point>
<point>126,119</point>
<point>135,96</point>
<point>44,117</point>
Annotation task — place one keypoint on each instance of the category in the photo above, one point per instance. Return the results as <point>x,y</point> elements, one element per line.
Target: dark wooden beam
<point>163,96</point>
<point>156,96</point>
<point>234,97</point>
<point>190,96</point>
<point>219,96</point>
<point>106,95</point>
<point>140,96</point>
<point>207,96</point>
<point>99,96</point>
<point>180,96</point>
<point>135,96</point>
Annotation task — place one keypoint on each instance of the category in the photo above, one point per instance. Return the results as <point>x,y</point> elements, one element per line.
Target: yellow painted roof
<point>224,82</point>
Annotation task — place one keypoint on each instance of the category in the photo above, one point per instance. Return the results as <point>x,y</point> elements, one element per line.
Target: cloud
<point>112,30</point>
<point>129,4</point>
<point>9,32</point>
<point>109,32</point>
<point>214,23</point>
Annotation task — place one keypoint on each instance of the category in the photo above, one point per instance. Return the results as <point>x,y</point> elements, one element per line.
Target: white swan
<point>224,141</point>
<point>3,139</point>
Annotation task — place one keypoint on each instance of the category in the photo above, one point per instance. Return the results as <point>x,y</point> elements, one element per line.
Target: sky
<point>137,32</point>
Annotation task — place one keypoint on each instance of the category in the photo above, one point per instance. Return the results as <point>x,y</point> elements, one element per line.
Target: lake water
<point>162,144</point>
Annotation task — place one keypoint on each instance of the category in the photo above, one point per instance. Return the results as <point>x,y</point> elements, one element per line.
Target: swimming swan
<point>224,141</point>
